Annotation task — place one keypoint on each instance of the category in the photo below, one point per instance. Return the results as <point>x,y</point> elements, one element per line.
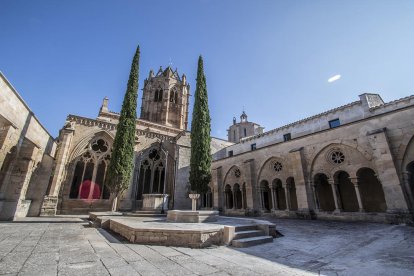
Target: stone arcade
<point>354,162</point>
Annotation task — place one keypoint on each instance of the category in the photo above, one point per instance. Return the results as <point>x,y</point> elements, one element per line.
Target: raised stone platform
<point>158,231</point>
<point>189,216</point>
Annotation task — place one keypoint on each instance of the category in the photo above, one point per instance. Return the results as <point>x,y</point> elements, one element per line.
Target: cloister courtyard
<point>66,245</point>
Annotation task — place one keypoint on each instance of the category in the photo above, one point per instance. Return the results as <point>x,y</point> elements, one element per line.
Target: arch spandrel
<point>83,142</point>
<point>272,168</point>
<point>234,175</point>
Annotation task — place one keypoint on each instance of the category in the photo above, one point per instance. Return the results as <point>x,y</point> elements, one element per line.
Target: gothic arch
<point>408,155</point>
<point>272,168</point>
<point>234,175</point>
<point>152,174</point>
<point>407,169</point>
<point>79,148</point>
<point>336,157</point>
<point>89,170</point>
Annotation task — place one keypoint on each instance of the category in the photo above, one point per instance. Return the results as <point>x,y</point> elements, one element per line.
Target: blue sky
<point>272,57</point>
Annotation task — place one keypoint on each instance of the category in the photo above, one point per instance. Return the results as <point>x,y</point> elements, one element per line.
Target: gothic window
<point>158,95</point>
<point>89,174</point>
<point>151,175</point>
<point>245,132</point>
<point>253,146</point>
<point>173,96</point>
<point>286,137</point>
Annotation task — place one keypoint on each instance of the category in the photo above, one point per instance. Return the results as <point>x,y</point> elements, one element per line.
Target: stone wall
<point>26,156</point>
<point>381,142</point>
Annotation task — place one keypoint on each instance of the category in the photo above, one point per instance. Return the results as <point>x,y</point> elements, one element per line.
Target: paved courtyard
<point>65,246</point>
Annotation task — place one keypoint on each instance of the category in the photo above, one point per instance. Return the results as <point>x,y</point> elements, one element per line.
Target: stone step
<point>251,241</point>
<point>245,228</point>
<point>147,214</point>
<point>248,234</point>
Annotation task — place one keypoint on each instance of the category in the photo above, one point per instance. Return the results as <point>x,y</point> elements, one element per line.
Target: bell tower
<point>243,129</point>
<point>165,98</point>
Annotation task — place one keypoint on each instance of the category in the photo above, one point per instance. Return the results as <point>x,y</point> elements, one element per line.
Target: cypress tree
<point>121,165</point>
<point>200,160</point>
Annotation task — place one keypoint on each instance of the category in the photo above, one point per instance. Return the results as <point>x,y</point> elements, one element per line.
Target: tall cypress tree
<point>121,165</point>
<point>200,161</point>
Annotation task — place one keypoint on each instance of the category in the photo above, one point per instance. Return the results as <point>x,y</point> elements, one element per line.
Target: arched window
<point>88,181</point>
<point>173,96</point>
<point>151,177</point>
<point>158,95</point>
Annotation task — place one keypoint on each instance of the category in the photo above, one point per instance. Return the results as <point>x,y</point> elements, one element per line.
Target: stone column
<point>335,195</point>
<point>273,198</point>
<point>66,136</point>
<point>287,196</point>
<point>217,190</point>
<point>358,193</point>
<point>233,192</point>
<point>253,195</point>
<point>304,193</point>
<point>315,196</point>
<point>243,198</point>
<point>407,188</point>
<point>387,172</point>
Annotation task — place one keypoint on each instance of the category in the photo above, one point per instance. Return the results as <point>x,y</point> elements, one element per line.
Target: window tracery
<point>90,169</point>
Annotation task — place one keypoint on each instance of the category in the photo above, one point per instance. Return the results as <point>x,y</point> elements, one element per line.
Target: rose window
<point>237,172</point>
<point>337,157</point>
<point>277,166</point>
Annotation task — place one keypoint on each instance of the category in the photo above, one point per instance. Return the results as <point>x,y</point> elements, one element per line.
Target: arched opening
<point>174,96</point>
<point>324,195</point>
<point>279,194</point>
<point>207,199</point>
<point>346,190</point>
<point>265,195</point>
<point>372,194</point>
<point>88,181</point>
<point>228,197</point>
<point>77,179</point>
<point>290,183</point>
<point>87,185</point>
<point>238,204</point>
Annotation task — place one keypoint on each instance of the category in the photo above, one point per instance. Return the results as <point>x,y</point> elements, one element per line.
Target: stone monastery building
<point>354,162</point>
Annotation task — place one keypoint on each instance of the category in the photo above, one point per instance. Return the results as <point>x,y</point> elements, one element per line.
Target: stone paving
<point>65,246</point>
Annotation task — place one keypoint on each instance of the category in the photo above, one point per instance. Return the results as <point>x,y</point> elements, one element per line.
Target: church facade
<point>162,152</point>
<point>354,162</point>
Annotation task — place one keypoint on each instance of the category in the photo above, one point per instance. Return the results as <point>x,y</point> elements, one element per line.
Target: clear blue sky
<point>272,57</point>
